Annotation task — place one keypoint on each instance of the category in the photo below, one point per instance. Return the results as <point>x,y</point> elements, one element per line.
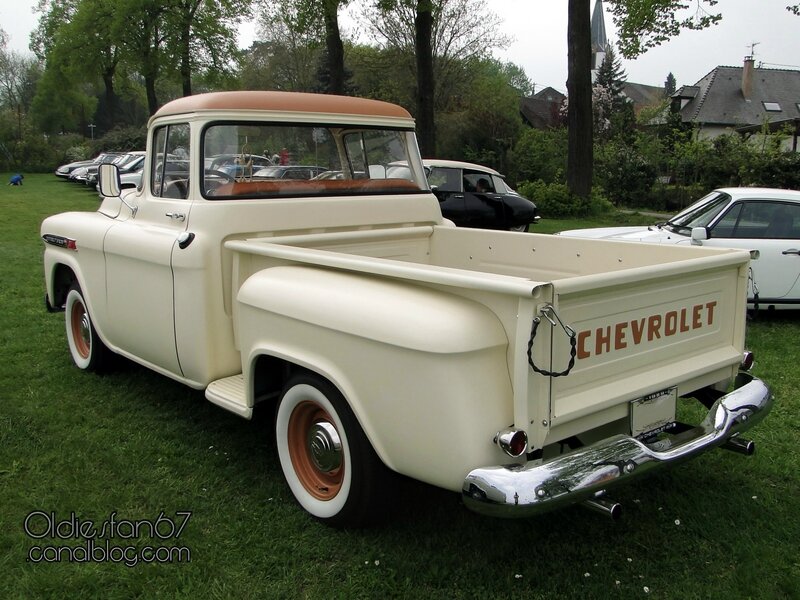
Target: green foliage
<point>672,198</point>
<point>624,173</point>
<point>489,111</point>
<point>122,139</point>
<point>670,85</point>
<point>555,201</point>
<point>539,154</point>
<point>774,169</point>
<point>643,24</point>
<point>712,163</point>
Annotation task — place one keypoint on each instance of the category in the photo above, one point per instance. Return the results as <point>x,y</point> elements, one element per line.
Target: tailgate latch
<point>549,313</point>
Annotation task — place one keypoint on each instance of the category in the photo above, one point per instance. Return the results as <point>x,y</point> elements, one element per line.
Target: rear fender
<point>424,371</point>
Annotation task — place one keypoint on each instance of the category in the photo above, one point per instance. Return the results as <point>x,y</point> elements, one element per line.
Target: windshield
<point>701,213</point>
<point>295,155</point>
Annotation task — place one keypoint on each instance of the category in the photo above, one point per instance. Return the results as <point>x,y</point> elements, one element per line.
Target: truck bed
<point>646,318</point>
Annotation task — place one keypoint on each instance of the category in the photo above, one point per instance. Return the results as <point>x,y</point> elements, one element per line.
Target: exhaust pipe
<point>740,446</point>
<point>607,507</point>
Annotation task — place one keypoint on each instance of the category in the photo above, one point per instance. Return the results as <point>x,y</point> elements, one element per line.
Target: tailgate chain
<point>545,312</point>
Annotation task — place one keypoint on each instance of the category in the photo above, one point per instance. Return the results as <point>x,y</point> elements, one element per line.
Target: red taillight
<point>513,442</point>
<point>71,245</point>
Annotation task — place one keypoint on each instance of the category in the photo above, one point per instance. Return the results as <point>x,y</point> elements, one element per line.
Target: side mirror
<point>108,180</point>
<point>109,185</point>
<point>699,235</point>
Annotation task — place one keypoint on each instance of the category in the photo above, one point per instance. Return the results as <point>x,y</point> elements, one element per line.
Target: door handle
<point>176,216</point>
<point>791,251</point>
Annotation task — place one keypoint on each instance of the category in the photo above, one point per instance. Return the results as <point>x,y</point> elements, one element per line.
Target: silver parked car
<point>756,219</point>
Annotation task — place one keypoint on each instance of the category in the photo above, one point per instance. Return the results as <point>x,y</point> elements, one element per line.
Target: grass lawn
<point>136,448</point>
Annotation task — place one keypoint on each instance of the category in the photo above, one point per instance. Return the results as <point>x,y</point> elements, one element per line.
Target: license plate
<point>653,413</point>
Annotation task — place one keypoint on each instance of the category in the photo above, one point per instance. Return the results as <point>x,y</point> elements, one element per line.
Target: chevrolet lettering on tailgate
<point>620,335</point>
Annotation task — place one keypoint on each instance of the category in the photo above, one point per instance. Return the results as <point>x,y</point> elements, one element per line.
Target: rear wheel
<point>326,458</point>
<point>87,349</point>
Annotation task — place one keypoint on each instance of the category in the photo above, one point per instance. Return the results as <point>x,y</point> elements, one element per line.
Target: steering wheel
<point>227,177</point>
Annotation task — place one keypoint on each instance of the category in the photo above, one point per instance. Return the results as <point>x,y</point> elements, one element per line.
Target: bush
<point>773,169</point>
<point>122,139</point>
<point>555,200</point>
<point>539,155</point>
<point>625,174</point>
<point>674,198</point>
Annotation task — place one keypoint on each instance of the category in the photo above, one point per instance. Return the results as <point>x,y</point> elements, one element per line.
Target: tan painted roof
<point>282,101</point>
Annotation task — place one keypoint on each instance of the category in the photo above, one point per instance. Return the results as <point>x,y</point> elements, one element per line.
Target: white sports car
<point>765,220</point>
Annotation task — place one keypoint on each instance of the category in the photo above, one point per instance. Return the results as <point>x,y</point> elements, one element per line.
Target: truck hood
<point>651,234</point>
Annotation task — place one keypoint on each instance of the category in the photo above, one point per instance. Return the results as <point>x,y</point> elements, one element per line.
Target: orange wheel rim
<point>81,334</point>
<point>312,459</point>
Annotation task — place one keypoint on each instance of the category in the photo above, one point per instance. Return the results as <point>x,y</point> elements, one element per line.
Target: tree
<point>312,21</point>
<point>423,44</point>
<point>201,36</point>
<point>483,126</point>
<point>644,24</point>
<point>92,51</point>
<point>670,85</point>
<point>455,37</point>
<point>18,76</point>
<point>54,15</point>
<point>612,112</point>
<point>334,49</point>
<point>579,90</point>
<point>611,75</point>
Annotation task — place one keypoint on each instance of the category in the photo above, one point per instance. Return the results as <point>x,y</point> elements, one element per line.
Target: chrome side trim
<point>522,490</point>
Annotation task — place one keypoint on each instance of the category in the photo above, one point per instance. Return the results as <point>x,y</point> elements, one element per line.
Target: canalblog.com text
<point>111,540</point>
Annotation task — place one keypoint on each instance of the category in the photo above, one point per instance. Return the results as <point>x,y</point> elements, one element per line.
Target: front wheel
<point>87,349</point>
<point>326,458</point>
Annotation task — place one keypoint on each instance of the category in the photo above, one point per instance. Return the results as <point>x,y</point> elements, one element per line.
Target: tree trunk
<point>334,47</point>
<point>423,28</point>
<point>579,91</point>
<point>186,62</point>
<point>150,88</point>
<point>111,98</point>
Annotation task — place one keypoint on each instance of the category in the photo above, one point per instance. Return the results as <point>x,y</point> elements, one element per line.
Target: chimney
<point>747,77</point>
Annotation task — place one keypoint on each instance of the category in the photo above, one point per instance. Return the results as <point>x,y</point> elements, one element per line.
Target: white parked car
<point>765,220</point>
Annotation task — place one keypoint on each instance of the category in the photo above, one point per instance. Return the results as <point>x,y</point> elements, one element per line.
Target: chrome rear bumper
<point>523,490</point>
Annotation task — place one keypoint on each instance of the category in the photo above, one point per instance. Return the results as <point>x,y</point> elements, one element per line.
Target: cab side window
<point>170,168</point>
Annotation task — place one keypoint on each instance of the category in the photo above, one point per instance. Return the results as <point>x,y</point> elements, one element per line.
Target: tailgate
<point>646,330</point>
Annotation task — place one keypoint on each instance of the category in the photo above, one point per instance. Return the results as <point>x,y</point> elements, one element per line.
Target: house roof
<point>540,113</point>
<point>550,94</point>
<point>719,100</point>
<point>643,95</point>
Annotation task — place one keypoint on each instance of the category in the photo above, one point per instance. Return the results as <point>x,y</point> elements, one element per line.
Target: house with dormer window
<point>747,100</point>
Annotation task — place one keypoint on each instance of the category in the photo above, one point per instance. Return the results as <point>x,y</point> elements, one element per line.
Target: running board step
<point>229,393</point>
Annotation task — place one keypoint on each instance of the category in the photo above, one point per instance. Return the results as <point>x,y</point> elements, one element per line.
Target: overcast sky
<point>539,30</point>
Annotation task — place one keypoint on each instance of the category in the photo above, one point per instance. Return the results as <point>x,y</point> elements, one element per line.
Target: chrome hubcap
<point>84,329</point>
<point>325,446</point>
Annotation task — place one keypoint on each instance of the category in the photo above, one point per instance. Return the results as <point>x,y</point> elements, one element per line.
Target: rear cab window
<point>308,160</point>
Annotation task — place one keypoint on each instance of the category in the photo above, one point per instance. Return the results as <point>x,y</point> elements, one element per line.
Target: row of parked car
<point>130,164</point>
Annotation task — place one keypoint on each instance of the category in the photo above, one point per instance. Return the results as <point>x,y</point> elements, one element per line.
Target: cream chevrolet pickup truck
<point>524,371</point>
